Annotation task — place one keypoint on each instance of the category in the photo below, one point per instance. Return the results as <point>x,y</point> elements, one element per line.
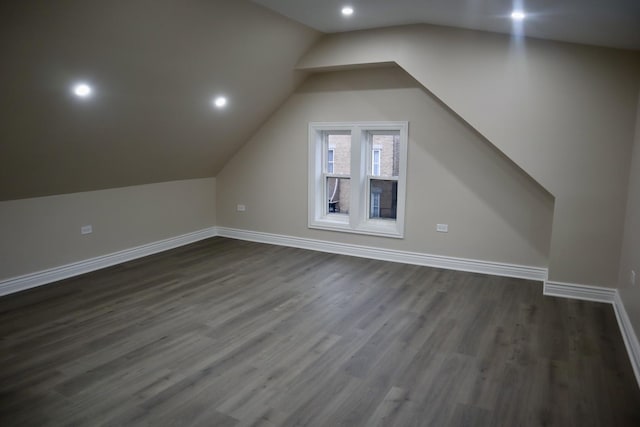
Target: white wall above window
<point>357,177</point>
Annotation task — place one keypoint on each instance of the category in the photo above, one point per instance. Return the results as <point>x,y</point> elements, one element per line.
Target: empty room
<point>323,213</point>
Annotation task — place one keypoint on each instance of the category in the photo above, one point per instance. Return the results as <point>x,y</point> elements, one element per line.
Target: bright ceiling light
<point>518,15</point>
<point>220,101</point>
<point>347,11</point>
<point>82,90</point>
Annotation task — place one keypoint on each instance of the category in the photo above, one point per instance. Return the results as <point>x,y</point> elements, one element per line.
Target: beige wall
<point>494,211</point>
<point>565,113</point>
<point>630,257</point>
<point>44,232</point>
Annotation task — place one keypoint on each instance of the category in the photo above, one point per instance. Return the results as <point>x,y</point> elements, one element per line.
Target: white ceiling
<point>613,23</point>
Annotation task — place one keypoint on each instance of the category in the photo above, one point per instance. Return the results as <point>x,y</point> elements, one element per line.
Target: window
<point>357,174</point>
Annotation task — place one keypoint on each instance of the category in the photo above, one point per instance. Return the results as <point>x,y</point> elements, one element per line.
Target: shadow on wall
<point>395,78</point>
<point>455,146</point>
<point>505,188</point>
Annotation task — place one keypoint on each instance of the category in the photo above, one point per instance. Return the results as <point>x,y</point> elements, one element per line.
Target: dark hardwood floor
<point>232,333</point>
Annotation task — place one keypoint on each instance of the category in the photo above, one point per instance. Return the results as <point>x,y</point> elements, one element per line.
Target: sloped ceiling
<point>611,23</point>
<point>564,113</point>
<point>155,67</point>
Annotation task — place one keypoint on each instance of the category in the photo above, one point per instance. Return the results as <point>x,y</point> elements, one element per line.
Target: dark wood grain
<point>231,333</point>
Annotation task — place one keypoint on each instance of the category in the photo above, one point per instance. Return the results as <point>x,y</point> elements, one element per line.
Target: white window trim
<point>357,221</point>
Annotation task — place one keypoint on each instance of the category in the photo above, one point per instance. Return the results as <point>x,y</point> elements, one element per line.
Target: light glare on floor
<point>517,15</point>
<point>347,11</point>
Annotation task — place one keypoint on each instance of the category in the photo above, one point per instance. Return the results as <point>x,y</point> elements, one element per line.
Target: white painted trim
<point>558,289</point>
<point>577,291</point>
<point>451,263</point>
<point>605,295</point>
<point>27,281</point>
<point>628,335</point>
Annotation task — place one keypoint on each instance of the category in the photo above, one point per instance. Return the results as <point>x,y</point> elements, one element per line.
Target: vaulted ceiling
<point>612,23</point>
<point>155,66</point>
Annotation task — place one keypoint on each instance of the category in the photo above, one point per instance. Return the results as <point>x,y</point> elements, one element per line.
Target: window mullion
<point>356,178</point>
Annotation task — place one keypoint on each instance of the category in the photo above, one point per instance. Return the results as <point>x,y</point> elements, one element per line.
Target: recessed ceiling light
<point>82,90</point>
<point>220,101</point>
<point>518,15</point>
<point>347,11</point>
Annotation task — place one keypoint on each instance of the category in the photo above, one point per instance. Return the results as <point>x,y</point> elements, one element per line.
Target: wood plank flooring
<point>231,333</point>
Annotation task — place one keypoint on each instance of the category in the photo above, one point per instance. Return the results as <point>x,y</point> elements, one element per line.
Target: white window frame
<point>357,221</point>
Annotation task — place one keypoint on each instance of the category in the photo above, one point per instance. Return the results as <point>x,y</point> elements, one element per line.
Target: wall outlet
<point>86,229</point>
<point>633,277</point>
<point>442,228</point>
<point>241,208</point>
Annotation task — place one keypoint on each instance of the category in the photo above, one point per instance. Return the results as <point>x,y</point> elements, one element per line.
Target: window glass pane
<point>375,167</point>
<point>383,199</point>
<point>385,150</point>
<point>340,146</point>
<point>338,194</point>
<point>375,205</point>
<point>330,160</point>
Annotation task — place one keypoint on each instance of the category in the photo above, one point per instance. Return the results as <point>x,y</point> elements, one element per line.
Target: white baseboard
<point>50,275</point>
<point>606,295</point>
<point>450,263</point>
<point>27,281</point>
<point>576,291</point>
<point>628,335</point>
<point>558,289</point>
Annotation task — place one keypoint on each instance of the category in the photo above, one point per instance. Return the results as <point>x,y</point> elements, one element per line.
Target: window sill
<point>373,228</point>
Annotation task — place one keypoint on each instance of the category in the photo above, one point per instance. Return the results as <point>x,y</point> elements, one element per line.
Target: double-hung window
<point>357,177</point>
